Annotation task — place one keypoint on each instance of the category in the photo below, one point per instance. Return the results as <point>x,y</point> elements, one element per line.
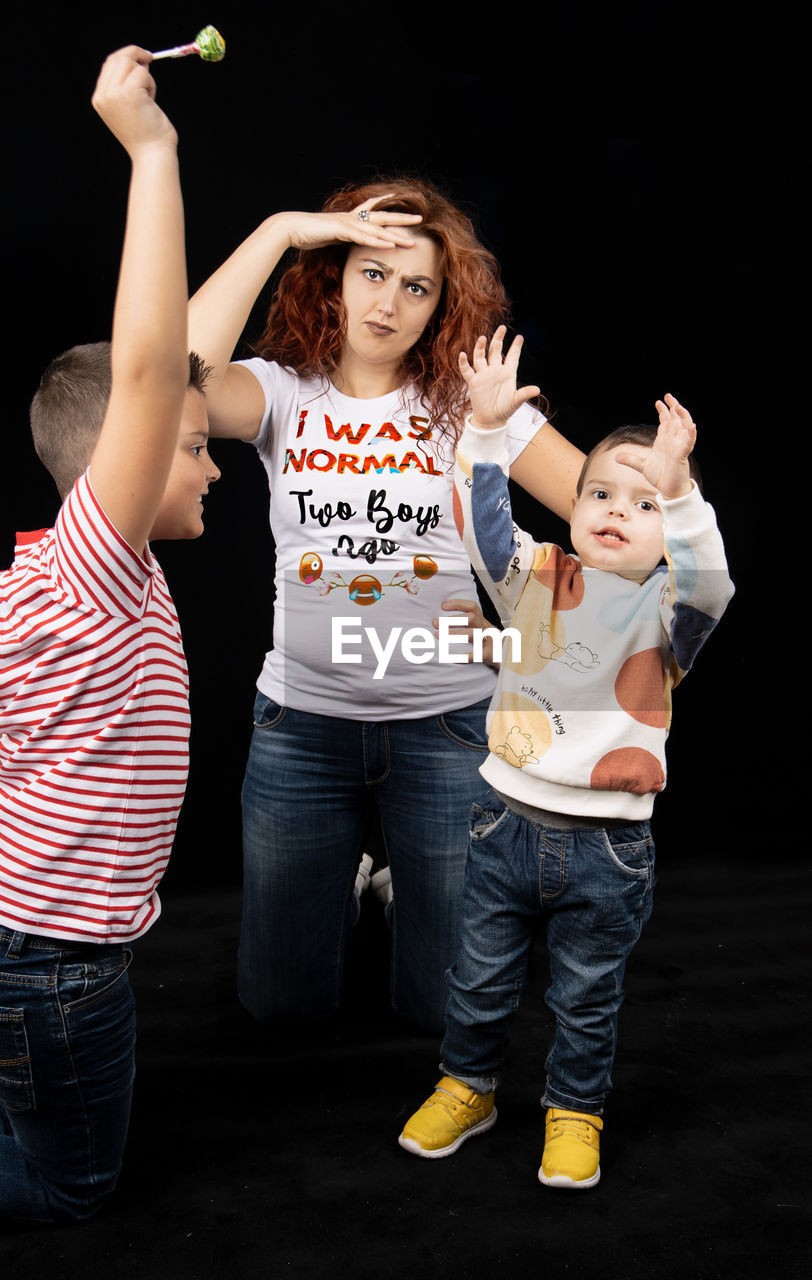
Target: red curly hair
<point>306,325</point>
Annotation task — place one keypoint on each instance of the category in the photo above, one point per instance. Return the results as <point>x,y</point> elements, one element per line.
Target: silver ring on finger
<point>363,214</point>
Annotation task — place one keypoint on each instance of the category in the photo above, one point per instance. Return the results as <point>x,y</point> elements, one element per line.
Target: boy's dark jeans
<point>67,1062</point>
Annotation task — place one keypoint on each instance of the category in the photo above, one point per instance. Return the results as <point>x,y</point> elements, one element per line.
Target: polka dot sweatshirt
<point>582,708</point>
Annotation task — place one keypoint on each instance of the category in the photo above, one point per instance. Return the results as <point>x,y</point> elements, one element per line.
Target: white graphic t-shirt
<point>367,549</point>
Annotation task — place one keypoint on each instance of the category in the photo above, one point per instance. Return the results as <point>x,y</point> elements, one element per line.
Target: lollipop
<point>208,43</point>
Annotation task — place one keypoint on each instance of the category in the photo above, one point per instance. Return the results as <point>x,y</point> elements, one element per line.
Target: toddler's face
<point>617,522</point>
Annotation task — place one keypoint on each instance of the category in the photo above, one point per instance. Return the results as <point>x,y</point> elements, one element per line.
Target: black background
<point>636,168</point>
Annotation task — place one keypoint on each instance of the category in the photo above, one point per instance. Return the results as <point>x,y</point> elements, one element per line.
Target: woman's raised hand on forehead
<point>491,380</point>
<point>380,229</point>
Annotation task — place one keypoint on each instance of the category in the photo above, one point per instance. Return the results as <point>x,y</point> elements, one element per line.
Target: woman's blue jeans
<point>312,786</point>
<point>67,1062</point>
<point>591,890</point>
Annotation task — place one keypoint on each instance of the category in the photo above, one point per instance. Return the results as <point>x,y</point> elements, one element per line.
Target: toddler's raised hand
<point>492,381</point>
<point>666,465</point>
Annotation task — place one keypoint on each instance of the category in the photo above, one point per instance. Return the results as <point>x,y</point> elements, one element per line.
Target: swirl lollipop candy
<point>208,43</point>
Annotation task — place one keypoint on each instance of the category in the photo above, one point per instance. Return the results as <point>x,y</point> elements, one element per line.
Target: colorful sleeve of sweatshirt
<point>699,584</point>
<point>501,553</point>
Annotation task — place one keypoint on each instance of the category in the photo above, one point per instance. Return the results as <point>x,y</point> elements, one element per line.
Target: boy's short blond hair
<point>68,408</point>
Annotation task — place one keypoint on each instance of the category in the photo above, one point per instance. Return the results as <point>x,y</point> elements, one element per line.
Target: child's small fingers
<point>675,406</point>
<point>527,393</point>
<point>685,416</point>
<point>480,357</point>
<point>666,415</point>
<point>634,460</point>
<point>514,351</point>
<point>495,348</point>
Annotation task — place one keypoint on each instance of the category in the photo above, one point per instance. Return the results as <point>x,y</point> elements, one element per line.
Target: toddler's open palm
<point>491,381</point>
<point>666,466</point>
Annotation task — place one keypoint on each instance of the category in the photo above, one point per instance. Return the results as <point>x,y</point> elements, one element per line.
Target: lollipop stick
<point>180,51</point>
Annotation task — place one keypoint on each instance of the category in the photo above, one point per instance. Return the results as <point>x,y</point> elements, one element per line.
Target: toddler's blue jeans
<point>590,889</point>
<point>67,1062</point>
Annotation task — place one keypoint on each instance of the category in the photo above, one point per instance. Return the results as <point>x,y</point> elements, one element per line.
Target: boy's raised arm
<point>150,367</point>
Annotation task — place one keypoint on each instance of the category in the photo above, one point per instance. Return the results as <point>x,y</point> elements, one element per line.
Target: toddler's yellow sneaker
<point>452,1113</point>
<point>572,1148</point>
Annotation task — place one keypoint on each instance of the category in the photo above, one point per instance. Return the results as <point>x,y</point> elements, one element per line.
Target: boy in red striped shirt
<point>94,718</point>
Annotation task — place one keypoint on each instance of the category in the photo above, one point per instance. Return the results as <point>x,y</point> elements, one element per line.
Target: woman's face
<point>389,297</point>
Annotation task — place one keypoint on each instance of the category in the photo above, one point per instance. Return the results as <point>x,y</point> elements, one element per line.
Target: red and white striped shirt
<point>94,730</point>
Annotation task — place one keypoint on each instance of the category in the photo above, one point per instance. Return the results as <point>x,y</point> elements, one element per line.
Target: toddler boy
<point>577,730</point>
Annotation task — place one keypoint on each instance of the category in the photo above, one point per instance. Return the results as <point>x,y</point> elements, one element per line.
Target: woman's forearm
<point>219,311</point>
<point>218,314</point>
<point>548,469</point>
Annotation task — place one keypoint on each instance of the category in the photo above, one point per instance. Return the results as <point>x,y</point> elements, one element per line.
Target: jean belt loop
<point>17,943</point>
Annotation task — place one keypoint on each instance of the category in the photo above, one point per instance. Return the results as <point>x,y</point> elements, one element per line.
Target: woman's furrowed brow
<point>387,270</point>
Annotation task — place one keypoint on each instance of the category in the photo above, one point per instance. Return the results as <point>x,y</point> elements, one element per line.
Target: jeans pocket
<point>631,849</point>
<point>267,713</point>
<point>16,1083</point>
<point>466,726</point>
<point>485,819</point>
<point>87,984</point>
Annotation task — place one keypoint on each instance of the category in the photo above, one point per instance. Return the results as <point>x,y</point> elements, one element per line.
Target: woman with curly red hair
<point>368,710</point>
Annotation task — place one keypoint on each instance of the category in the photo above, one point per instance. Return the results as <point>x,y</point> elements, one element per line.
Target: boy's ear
<point>572,508</point>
